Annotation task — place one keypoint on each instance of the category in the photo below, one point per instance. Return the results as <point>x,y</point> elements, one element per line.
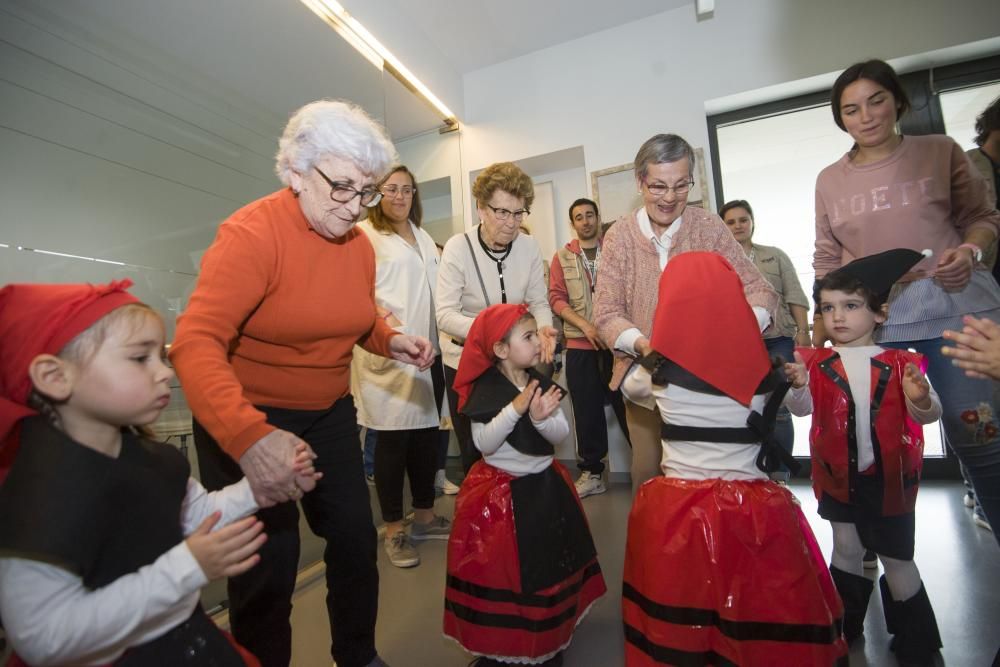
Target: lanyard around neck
<point>499,259</point>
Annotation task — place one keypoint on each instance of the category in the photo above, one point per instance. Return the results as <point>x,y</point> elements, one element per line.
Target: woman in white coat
<point>402,402</point>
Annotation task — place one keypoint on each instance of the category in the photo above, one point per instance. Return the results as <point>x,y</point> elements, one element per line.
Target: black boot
<point>854,591</point>
<point>917,638</point>
<point>889,607</point>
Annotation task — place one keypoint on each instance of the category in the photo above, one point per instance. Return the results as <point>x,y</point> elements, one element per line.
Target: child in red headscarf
<point>94,564</point>
<point>720,565</point>
<point>522,567</point>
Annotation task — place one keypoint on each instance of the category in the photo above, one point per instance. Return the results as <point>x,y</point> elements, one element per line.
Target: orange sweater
<point>273,319</point>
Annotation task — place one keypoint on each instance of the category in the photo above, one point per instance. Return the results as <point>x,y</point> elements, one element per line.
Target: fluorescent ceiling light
<point>334,14</point>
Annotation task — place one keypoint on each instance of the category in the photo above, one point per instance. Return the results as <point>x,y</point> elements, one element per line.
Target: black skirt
<point>891,536</point>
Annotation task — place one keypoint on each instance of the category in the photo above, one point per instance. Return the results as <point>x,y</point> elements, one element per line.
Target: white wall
<point>612,90</point>
<point>568,185</point>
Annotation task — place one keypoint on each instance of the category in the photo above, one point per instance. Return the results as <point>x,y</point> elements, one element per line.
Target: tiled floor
<point>960,564</point>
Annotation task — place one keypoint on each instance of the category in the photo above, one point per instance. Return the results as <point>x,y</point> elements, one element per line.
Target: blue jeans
<point>784,431</point>
<point>369,453</point>
<point>970,421</point>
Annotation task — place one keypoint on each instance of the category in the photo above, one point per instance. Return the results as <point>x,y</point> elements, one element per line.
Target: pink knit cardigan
<point>629,278</point>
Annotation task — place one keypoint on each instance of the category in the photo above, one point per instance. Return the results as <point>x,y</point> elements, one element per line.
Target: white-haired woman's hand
<point>415,350</point>
<point>271,467</point>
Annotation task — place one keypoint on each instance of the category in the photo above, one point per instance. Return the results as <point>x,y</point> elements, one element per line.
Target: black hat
<point>880,272</point>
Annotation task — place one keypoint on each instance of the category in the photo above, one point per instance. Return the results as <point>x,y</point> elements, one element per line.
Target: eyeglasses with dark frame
<point>660,189</point>
<point>343,193</point>
<point>504,214</point>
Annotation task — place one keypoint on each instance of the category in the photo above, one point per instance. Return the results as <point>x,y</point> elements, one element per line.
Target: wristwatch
<point>977,252</point>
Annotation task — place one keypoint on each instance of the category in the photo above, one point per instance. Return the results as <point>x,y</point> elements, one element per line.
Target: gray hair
<point>662,148</point>
<point>333,128</point>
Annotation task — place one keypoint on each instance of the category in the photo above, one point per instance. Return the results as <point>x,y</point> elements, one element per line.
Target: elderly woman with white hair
<point>263,352</point>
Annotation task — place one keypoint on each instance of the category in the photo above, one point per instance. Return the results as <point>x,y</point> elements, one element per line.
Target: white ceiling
<point>473,34</point>
<point>268,57</point>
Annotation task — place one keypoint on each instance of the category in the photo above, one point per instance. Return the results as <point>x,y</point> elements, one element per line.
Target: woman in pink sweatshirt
<point>916,192</point>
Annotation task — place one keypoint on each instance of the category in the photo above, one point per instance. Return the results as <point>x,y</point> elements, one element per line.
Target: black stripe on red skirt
<point>739,630</point>
<point>674,656</point>
<point>523,599</point>
<point>509,621</point>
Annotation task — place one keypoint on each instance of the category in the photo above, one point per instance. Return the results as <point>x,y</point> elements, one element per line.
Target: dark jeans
<point>784,431</point>
<point>586,372</point>
<point>369,449</point>
<point>338,510</point>
<point>461,424</point>
<point>413,452</point>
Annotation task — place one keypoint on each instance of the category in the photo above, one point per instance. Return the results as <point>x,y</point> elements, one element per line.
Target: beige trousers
<point>644,432</point>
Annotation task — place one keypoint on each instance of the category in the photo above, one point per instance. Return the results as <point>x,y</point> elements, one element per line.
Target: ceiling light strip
<point>348,27</point>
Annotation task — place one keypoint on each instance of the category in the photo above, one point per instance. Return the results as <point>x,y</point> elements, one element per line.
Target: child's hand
<point>304,469</point>
<point>523,400</point>
<point>543,405</point>
<point>977,348</point>
<point>228,551</point>
<point>796,372</point>
<point>915,387</point>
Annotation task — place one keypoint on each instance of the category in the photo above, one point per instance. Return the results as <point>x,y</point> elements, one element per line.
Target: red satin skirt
<point>726,573</point>
<point>486,610</point>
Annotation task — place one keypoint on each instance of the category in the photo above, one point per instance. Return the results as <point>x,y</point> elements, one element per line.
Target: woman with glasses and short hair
<point>263,352</point>
<point>636,250</point>
<point>399,401</point>
<point>489,264</point>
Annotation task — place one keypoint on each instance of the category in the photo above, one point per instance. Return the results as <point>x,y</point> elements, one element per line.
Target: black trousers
<point>338,510</point>
<point>413,452</point>
<point>461,424</point>
<point>587,375</point>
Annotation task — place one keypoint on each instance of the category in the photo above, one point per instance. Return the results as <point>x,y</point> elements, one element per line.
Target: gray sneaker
<point>438,529</point>
<point>589,484</point>
<point>400,551</point>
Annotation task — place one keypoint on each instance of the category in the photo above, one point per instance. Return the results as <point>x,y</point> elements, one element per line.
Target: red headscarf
<point>42,319</point>
<point>704,324</point>
<point>491,325</point>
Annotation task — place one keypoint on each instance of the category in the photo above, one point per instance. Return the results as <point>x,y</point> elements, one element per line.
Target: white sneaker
<point>979,518</point>
<point>589,484</point>
<point>444,485</point>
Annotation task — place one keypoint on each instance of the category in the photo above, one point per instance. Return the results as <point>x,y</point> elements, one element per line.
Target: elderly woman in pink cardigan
<point>635,251</point>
